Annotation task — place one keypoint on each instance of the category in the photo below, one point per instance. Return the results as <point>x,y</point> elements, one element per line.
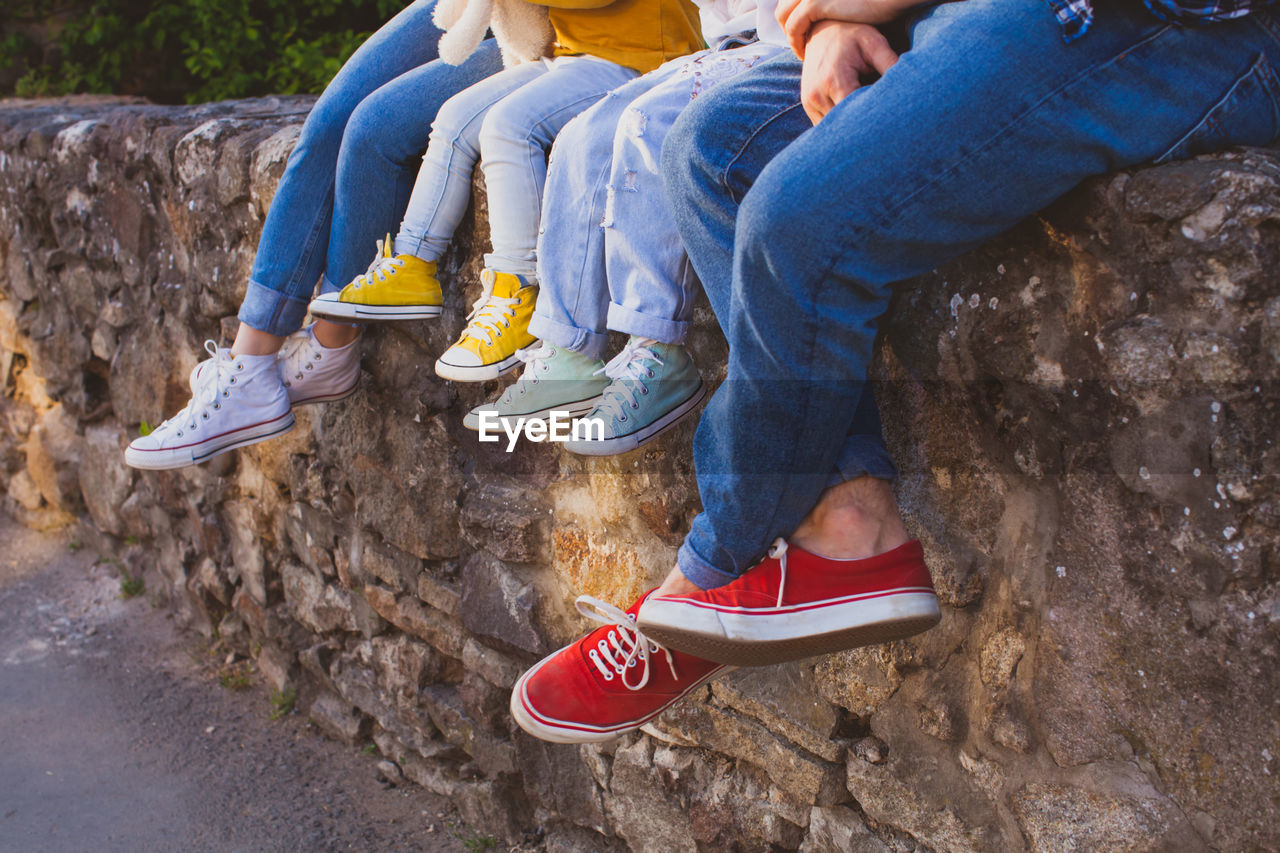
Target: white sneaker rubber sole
<point>326,398</point>
<point>204,450</point>
<point>632,440</point>
<point>762,637</point>
<point>479,373</point>
<point>565,731</point>
<point>573,409</point>
<point>353,313</point>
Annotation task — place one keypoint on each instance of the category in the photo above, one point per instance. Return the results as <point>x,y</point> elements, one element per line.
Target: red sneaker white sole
<point>766,638</point>
<point>771,615</point>
<point>545,727</point>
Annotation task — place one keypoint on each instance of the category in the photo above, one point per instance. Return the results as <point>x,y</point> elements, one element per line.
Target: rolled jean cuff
<point>589,343</point>
<point>526,268</point>
<point>271,311</point>
<point>863,456</point>
<point>662,329</point>
<point>699,572</point>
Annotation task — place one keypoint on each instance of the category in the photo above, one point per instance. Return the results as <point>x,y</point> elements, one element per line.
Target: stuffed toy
<point>522,29</point>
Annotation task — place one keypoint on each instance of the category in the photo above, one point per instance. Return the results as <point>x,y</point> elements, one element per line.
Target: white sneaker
<point>235,401</point>
<point>314,373</point>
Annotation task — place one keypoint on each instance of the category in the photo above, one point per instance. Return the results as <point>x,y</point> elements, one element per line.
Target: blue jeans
<point>798,232</point>
<point>348,179</point>
<point>507,122</point>
<point>610,256</point>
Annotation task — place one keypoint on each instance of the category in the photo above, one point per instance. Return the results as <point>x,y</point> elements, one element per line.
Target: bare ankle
<point>335,335</point>
<point>250,341</point>
<point>855,519</point>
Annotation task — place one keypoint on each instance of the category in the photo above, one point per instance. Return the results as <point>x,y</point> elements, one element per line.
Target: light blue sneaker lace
<point>627,365</point>
<point>535,361</point>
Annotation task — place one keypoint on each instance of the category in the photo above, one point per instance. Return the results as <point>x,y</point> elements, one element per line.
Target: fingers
<point>876,51</point>
<point>797,23</point>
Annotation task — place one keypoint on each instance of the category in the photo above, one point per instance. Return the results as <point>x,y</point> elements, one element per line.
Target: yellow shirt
<point>640,34</point>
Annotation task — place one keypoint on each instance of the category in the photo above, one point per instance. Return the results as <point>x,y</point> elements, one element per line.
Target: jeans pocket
<point>1248,114</point>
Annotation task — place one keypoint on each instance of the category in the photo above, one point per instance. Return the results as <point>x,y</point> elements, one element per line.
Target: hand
<point>798,17</point>
<point>838,55</point>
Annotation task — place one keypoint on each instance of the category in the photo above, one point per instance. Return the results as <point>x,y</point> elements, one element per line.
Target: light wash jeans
<point>348,179</point>
<point>507,122</point>
<point>610,256</point>
<point>799,232</point>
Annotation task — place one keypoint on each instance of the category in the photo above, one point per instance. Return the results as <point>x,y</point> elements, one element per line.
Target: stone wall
<point>1084,411</point>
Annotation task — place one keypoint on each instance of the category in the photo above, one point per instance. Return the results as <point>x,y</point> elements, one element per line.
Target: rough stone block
<point>499,604</point>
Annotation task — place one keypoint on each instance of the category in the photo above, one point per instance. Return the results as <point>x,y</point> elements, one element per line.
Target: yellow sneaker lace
<point>384,264</point>
<point>490,314</point>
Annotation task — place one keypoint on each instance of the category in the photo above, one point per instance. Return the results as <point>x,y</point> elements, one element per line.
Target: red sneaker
<point>606,684</point>
<point>796,605</point>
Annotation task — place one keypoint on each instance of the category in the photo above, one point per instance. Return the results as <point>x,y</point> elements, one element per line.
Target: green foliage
<point>145,428</point>
<point>282,702</point>
<point>192,50</point>
<point>371,749</point>
<point>131,587</point>
<point>236,676</point>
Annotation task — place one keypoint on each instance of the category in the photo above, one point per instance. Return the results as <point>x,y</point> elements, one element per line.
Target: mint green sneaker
<point>554,379</point>
<point>654,386</point>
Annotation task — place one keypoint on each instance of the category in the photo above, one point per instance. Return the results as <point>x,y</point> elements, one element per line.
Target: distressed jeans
<point>349,177</point>
<point>609,256</point>
<point>507,122</point>
<point>798,232</point>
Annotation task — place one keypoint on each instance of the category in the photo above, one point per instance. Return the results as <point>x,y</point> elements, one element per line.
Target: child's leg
<point>651,284</point>
<point>574,298</point>
<point>513,142</point>
<point>443,188</point>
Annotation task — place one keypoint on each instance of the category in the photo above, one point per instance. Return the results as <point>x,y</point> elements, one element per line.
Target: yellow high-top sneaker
<point>498,326</point>
<point>395,287</point>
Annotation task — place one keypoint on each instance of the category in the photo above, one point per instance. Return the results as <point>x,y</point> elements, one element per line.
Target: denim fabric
<point>348,179</point>
<point>960,140</point>
<point>610,256</point>
<point>507,122</point>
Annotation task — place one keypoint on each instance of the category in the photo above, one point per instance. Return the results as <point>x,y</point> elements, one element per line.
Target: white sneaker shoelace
<point>490,314</point>
<point>625,647</point>
<point>299,353</point>
<point>383,265</point>
<point>628,364</point>
<point>211,384</point>
<point>778,550</point>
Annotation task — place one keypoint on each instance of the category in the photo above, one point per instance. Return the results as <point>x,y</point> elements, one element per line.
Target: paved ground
<point>115,735</point>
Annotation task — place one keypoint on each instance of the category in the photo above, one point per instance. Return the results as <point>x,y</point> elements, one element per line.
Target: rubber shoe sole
<point>327,398</point>
<point>354,313</point>
<point>565,731</point>
<point>574,409</point>
<point>202,451</point>
<point>787,633</point>
<point>480,373</point>
<point>633,440</point>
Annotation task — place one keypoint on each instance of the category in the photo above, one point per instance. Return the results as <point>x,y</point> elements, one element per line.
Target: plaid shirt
<point>1075,16</point>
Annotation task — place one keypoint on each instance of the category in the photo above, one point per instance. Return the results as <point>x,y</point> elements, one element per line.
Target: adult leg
<point>947,150</point>
<point>514,140</point>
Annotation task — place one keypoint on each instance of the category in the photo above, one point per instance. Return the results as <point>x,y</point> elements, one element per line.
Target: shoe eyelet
<point>608,676</point>
<point>233,380</point>
<point>179,433</point>
<point>239,365</point>
<point>316,355</point>
<point>631,662</point>
<point>619,669</point>
<point>226,393</point>
<point>635,405</point>
<point>622,417</point>
<point>204,416</point>
<point>298,377</point>
<point>644,389</point>
<point>286,384</point>
<point>653,648</point>
<point>650,372</point>
<point>308,367</point>
<point>217,405</point>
